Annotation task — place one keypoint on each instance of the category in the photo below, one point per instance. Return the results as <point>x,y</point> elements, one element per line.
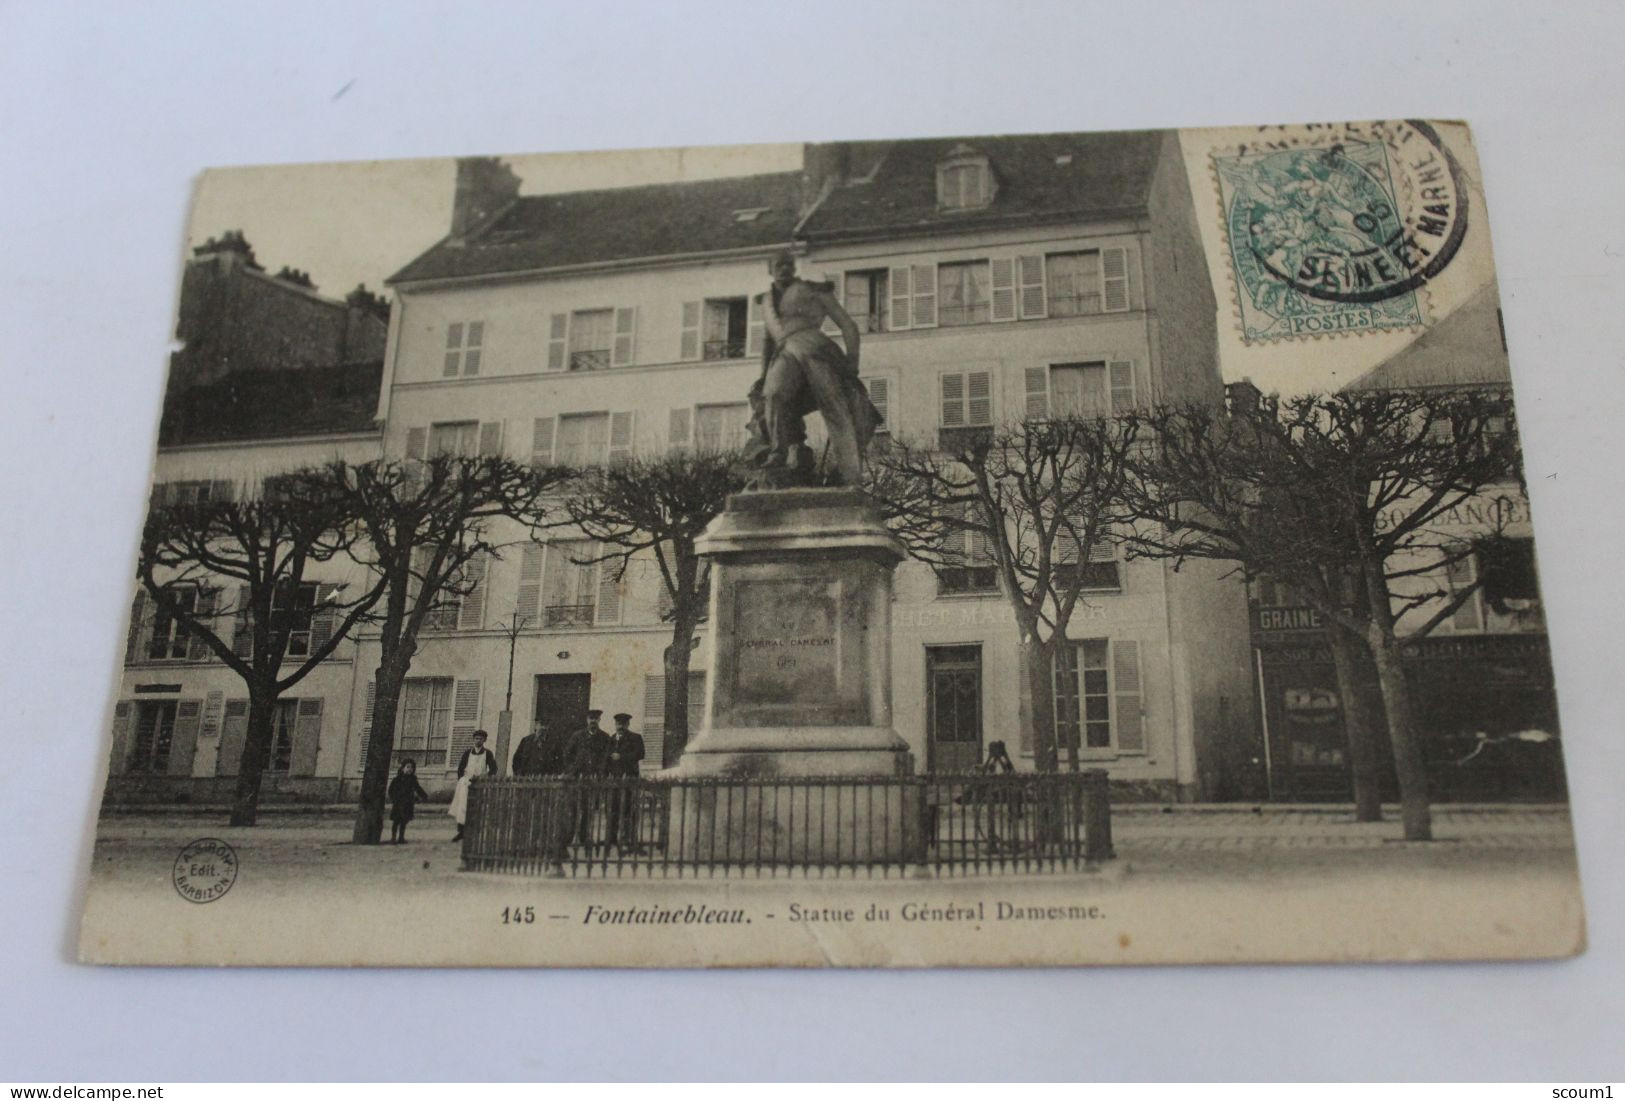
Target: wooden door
<point>953,707</point>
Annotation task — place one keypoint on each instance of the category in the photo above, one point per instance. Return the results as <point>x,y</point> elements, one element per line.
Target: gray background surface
<point>110,109</point>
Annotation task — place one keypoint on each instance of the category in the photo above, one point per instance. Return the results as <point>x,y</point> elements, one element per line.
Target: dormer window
<point>964,180</point>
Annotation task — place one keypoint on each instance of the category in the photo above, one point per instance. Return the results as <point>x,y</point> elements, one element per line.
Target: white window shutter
<point>214,704</point>
<point>755,326</point>
<point>880,395</point>
<point>953,400</point>
<point>623,353</point>
<point>608,605</point>
<point>680,431</point>
<point>1037,405</point>
<point>541,441</point>
<point>690,348</point>
<point>228,759</point>
<point>323,616</point>
<point>1034,304</point>
<point>473,348</point>
<point>528,605</point>
<point>557,332</point>
<point>490,443</point>
<point>898,287</point>
<point>1120,374</point>
<point>1127,700</point>
<point>621,437</point>
<point>465,719</point>
<point>979,397</point>
<point>138,624</point>
<point>471,606</point>
<point>417,443</point>
<point>1114,279</point>
<point>654,705</point>
<point>307,737</point>
<point>183,744</point>
<point>924,315</point>
<point>366,724</point>
<point>1004,288</point>
<point>454,350</point>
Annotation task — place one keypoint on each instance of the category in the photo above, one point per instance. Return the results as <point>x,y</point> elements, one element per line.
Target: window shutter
<point>366,724</point>
<point>203,610</point>
<point>454,350</point>
<point>681,428</point>
<point>665,606</point>
<point>696,702</point>
<point>471,607</point>
<point>1030,271</point>
<point>953,400</point>
<point>160,495</point>
<point>323,617</point>
<point>465,719</point>
<point>1114,279</point>
<point>608,610</point>
<point>233,733</point>
<point>417,443</point>
<point>654,705</point>
<point>1037,393</point>
<point>623,353</point>
<point>1121,375</point>
<point>490,439</point>
<point>138,627</point>
<point>121,738</point>
<point>1004,289</point>
<point>620,437</point>
<point>183,744</point>
<point>690,347</point>
<point>213,704</point>
<point>307,737</point>
<point>978,397</point>
<point>925,296</point>
<point>1126,697</point>
<point>221,490</point>
<point>897,279</point>
<point>755,327</point>
<point>541,441</point>
<point>558,329</point>
<point>473,348</point>
<point>242,636</point>
<point>1461,573</point>
<point>880,395</point>
<point>1104,548</point>
<point>528,605</point>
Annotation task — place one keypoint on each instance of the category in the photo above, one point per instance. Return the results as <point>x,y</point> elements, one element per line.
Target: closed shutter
<point>680,428</point>
<point>1461,573</point>
<point>1121,376</point>
<point>465,719</point>
<point>242,635</point>
<point>608,609</point>
<point>203,611</point>
<point>471,607</point>
<point>473,348</point>
<point>696,702</point>
<point>220,490</point>
<point>898,282</point>
<point>307,737</point>
<point>689,349</point>
<point>654,717</point>
<point>541,441</point>
<point>755,327</point>
<point>490,439</point>
<point>925,296</point>
<point>323,617</point>
<point>121,738</point>
<point>880,394</point>
<point>979,397</point>
<point>1067,704</point>
<point>214,704</point>
<point>1030,270</point>
<point>623,353</point>
<point>1114,279</point>
<point>528,604</point>
<point>1037,381</point>
<point>1127,698</point>
<point>1104,548</point>
<point>621,437</point>
<point>953,400</point>
<point>1004,289</point>
<point>233,733</point>
<point>366,725</point>
<point>417,443</point>
<point>558,331</point>
<point>454,350</point>
<point>138,628</point>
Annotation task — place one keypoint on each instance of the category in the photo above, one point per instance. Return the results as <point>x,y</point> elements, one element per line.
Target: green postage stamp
<point>1338,230</point>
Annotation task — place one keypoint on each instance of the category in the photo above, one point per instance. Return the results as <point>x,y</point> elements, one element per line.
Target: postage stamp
<point>1335,230</point>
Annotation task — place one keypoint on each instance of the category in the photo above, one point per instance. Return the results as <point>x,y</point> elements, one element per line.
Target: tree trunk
<point>1408,761</point>
<point>1365,758</point>
<point>678,658</point>
<point>1037,666</point>
<point>256,749</point>
<point>369,817</point>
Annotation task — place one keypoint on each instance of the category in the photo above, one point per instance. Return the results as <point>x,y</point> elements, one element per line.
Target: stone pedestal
<point>800,678</point>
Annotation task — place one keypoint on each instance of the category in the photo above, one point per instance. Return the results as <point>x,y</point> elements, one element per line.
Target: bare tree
<point>1340,497</point>
<point>427,528</point>
<point>1030,501</point>
<point>660,505</point>
<point>246,561</point>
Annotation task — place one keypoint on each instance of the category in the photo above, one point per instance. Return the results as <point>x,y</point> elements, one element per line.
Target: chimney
<point>484,186</point>
<point>823,166</point>
<point>1242,398</point>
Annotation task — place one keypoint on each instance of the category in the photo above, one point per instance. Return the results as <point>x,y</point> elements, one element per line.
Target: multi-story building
<point>993,279</point>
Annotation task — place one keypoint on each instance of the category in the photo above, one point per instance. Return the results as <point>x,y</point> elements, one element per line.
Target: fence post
<point>1097,816</point>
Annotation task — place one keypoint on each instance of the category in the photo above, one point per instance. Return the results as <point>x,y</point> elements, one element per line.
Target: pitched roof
<point>538,232</point>
<point>1040,177</point>
<point>268,404</point>
<point>1464,349</point>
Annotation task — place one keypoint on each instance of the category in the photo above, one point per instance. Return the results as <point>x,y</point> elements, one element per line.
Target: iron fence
<point>818,827</point>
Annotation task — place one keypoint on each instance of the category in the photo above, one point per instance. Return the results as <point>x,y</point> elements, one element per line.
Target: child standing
<point>404,792</point>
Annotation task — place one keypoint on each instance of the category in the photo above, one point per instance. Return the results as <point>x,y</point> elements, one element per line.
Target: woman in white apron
<point>476,761</point>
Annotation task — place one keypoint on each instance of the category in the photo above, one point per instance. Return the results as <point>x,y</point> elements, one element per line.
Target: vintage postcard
<point>1021,549</point>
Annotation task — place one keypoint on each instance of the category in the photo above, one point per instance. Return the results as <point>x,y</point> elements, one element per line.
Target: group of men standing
<point>590,753</point>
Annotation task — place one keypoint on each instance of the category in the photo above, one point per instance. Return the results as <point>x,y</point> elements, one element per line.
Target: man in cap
<point>587,757</point>
<point>625,752</point>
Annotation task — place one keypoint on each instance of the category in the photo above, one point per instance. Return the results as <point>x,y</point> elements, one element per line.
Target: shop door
<point>561,703</point>
<point>953,707</point>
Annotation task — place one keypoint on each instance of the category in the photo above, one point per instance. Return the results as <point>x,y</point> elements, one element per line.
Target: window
<point>570,589</point>
<point>964,293</point>
<point>293,607</point>
<point>583,439</point>
<point>425,724</point>
<point>964,181</point>
<point>464,343</point>
<point>720,428</point>
<point>591,339</point>
<point>971,566</point>
<point>154,735</point>
<point>461,604</point>
<point>1074,283</point>
<point>1100,567</point>
<point>725,328</point>
<point>170,640</point>
<point>1080,389</point>
<point>284,720</point>
<point>1098,696</point>
<point>454,438</point>
<point>193,493</point>
<point>966,406</point>
<point>865,297</point>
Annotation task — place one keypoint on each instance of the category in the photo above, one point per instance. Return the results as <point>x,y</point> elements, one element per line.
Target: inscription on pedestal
<point>787,643</point>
